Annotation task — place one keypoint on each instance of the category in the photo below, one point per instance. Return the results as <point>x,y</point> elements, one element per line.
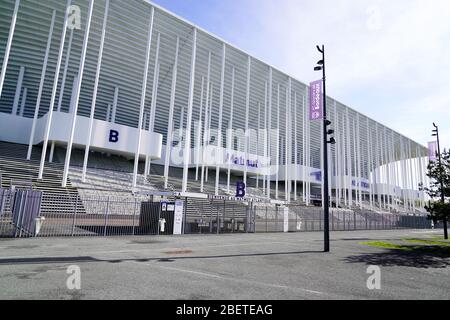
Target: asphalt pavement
<point>231,267</point>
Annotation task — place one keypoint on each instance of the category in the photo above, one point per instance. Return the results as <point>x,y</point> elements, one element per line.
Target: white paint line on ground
<point>211,275</point>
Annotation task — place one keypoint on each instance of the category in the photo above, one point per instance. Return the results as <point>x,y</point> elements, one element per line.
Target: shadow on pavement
<point>414,257</point>
<point>59,260</point>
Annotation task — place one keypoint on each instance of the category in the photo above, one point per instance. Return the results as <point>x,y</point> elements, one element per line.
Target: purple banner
<point>315,100</point>
<point>432,150</point>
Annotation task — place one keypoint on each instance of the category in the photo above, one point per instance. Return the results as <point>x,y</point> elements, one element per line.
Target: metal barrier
<point>33,214</point>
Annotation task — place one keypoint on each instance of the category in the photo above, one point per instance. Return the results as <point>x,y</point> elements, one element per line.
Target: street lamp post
<point>326,133</point>
<point>436,134</point>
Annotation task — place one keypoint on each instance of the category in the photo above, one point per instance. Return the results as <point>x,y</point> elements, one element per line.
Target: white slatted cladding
<point>123,63</point>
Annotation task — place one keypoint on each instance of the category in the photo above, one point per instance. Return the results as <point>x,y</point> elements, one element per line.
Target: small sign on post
<point>178,217</point>
<point>316,101</point>
<point>432,151</point>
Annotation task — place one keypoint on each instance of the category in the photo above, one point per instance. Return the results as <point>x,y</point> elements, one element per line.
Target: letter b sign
<point>240,190</point>
<point>113,136</point>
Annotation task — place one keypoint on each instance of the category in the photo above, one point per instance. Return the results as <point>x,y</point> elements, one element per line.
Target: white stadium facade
<point>80,77</point>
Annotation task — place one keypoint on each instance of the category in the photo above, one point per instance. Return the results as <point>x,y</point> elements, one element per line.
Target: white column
<point>247,111</point>
<point>66,66</point>
<point>349,163</point>
<point>187,144</point>
<point>343,147</point>
<point>154,100</point>
<point>18,91</point>
<point>206,121</point>
<point>230,127</point>
<point>74,93</point>
<point>308,153</point>
<point>266,134</point>
<point>277,153</point>
<point>77,97</point>
<point>288,162</point>
<point>198,142</point>
<point>142,104</point>
<point>358,140</point>
<point>63,84</point>
<point>41,85</point>
<point>23,102</point>
<point>171,113</point>
<point>338,160</point>
<point>258,142</point>
<point>114,105</point>
<point>8,45</point>
<point>208,131</point>
<point>304,150</point>
<point>296,147</point>
<point>369,163</point>
<point>413,186</point>
<point>269,127</point>
<point>94,95</point>
<point>219,140</point>
<point>108,113</point>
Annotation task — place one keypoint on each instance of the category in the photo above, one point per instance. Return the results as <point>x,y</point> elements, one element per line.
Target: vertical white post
<point>142,105</point>
<point>208,131</point>
<point>66,66</point>
<point>247,111</point>
<point>338,159</point>
<point>154,100</point>
<point>296,147</point>
<point>258,142</point>
<point>206,121</point>
<point>114,105</point>
<point>18,91</point>
<point>277,153</point>
<point>8,45</point>
<point>41,84</point>
<point>74,93</point>
<point>108,113</point>
<point>171,113</point>
<point>343,148</point>
<point>219,133</point>
<point>23,102</point>
<point>358,140</point>
<point>63,84</point>
<point>187,144</point>
<point>94,95</point>
<point>304,150</point>
<point>198,142</point>
<point>230,128</point>
<point>349,163</point>
<point>269,128</point>
<point>77,97</point>
<point>369,163</point>
<point>412,180</point>
<point>288,161</point>
<point>265,136</point>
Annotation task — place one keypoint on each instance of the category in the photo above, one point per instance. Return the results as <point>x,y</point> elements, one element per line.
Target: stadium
<point>120,118</point>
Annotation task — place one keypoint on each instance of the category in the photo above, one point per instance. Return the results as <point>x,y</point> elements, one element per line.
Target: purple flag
<point>315,100</point>
<point>432,150</point>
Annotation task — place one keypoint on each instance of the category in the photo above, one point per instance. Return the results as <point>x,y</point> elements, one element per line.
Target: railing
<point>70,216</point>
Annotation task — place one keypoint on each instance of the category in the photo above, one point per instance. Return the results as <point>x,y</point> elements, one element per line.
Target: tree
<point>439,190</point>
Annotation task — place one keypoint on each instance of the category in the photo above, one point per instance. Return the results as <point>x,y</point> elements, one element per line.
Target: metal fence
<point>301,218</point>
<point>36,214</point>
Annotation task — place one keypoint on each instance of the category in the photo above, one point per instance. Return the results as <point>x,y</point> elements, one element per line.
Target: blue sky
<point>387,59</point>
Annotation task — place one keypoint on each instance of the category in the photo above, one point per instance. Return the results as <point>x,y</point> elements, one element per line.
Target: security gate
<point>20,213</point>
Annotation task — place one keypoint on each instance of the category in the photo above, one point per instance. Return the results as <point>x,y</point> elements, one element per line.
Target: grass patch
<point>429,242</point>
<point>423,248</point>
<point>385,245</point>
